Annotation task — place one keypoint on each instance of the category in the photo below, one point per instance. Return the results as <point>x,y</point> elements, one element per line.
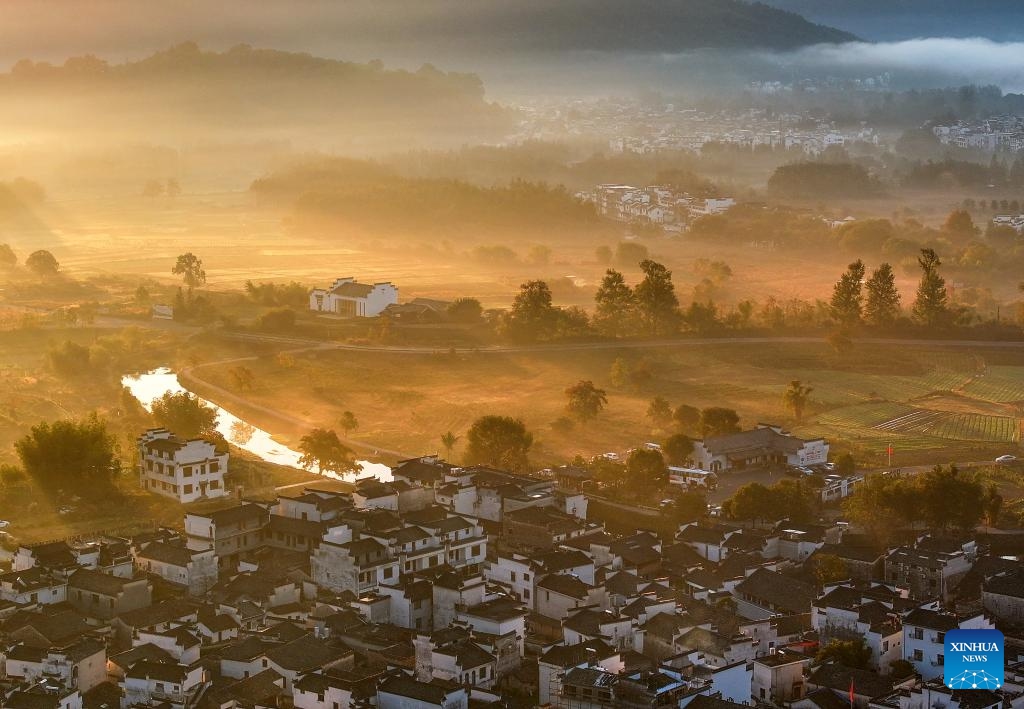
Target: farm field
<point>861,403</point>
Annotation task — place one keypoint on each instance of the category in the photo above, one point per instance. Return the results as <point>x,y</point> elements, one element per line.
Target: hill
<point>187,93</point>
<point>1000,20</point>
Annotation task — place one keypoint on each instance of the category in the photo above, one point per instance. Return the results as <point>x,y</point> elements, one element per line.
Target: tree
<point>656,300</point>
<point>718,421</point>
<point>152,189</point>
<point>845,465</point>
<point>959,223</point>
<point>540,255</point>
<point>750,502</point>
<point>348,422</point>
<point>646,468</point>
<point>190,268</point>
<point>993,504</point>
<point>603,254</point>
<point>872,506</point>
<point>73,456</point>
<point>687,418</point>
<point>243,378</point>
<point>796,397</point>
<point>323,448</point>
<point>70,359</point>
<point>620,369</point>
<point>847,296</point>
<point>532,316</point>
<point>8,259</point>
<point>498,441</point>
<point>185,415</point>
<point>466,310</point>
<point>883,300</point>
<point>930,308</point>
<point>689,506</point>
<point>850,653</point>
<point>951,499</point>
<point>42,263</point>
<point>615,314</point>
<point>585,400</point>
<point>630,253</point>
<point>829,568</point>
<point>448,440</point>
<point>677,449</point>
<point>901,668</point>
<point>173,188</point>
<point>659,411</point>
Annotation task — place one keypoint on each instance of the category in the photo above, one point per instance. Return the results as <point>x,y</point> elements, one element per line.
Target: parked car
<point>804,470</point>
<point>1004,459</point>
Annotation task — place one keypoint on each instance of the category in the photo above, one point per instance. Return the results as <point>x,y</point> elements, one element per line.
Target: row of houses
<point>457,586</point>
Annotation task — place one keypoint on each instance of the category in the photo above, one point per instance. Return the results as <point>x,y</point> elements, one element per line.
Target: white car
<point>4,524</point>
<point>1004,459</point>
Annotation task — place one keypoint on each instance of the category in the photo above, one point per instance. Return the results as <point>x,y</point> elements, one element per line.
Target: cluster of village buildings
<point>636,127</point>
<point>998,133</point>
<point>461,587</point>
<point>671,209</point>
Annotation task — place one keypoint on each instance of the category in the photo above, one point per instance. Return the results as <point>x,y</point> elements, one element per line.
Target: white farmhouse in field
<point>350,299</point>
<point>185,470</point>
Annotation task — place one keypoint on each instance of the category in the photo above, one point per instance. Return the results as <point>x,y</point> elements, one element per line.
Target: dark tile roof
<point>175,554</point>
<point>571,655</point>
<point>163,612</point>
<point>1008,583</point>
<point>236,514</point>
<point>566,585</point>
<point>933,620</point>
<point>703,701</point>
<point>433,692</point>
<point>779,592</point>
<point>98,582</point>
<point>306,654</point>
<point>838,677</point>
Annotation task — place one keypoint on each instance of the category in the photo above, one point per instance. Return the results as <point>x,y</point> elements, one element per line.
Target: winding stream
<point>240,433</point>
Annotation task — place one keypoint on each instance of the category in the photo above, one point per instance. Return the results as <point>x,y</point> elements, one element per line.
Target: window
<point>918,655</point>
<point>187,470</point>
<point>512,577</point>
<point>214,466</point>
<point>526,577</point>
<point>214,485</point>
<point>475,551</point>
<point>187,489</point>
<point>939,659</point>
<point>389,572</point>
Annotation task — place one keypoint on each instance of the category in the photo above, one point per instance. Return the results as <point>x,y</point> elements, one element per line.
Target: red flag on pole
<point>851,691</point>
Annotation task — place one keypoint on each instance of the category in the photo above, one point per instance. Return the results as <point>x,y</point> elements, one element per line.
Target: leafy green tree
<point>466,310</point>
<point>796,397</point>
<point>532,317</point>
<point>657,304</point>
<point>190,268</point>
<point>993,504</point>
<point>620,371</point>
<point>73,456</point>
<point>42,263</point>
<point>829,568</point>
<point>8,259</point>
<point>688,506</point>
<point>960,224</point>
<point>277,320</point>
<point>845,465</point>
<point>630,253</point>
<point>677,449</point>
<point>792,499</point>
<point>646,468</point>
<point>750,502</point>
<point>348,422</point>
<point>931,306</point>
<point>951,498</point>
<point>615,312</point>
<point>448,440</point>
<point>687,418</point>
<point>323,448</point>
<point>718,421</point>
<point>851,653</point>
<point>185,415</point>
<point>901,668</point>
<point>659,411</point>
<point>872,506</point>
<point>243,377</point>
<point>498,441</point>
<point>585,400</point>
<point>70,359</point>
<point>604,255</point>
<point>847,296</point>
<point>883,300</point>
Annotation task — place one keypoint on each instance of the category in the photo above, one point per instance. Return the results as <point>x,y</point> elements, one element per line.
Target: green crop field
<point>1000,384</point>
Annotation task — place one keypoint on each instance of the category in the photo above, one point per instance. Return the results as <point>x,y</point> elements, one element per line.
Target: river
<point>152,385</point>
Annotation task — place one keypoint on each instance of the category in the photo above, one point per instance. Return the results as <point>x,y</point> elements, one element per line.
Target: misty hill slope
<point>613,25</point>
<point>186,93</point>
<point>1001,20</point>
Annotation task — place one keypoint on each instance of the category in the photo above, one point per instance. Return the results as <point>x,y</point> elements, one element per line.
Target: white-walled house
<point>763,446</point>
<point>351,299</point>
<point>924,637</point>
<point>184,470</point>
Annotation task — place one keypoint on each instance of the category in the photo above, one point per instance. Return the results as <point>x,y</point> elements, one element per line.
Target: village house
<point>763,447</point>
<point>351,299</point>
<point>184,470</point>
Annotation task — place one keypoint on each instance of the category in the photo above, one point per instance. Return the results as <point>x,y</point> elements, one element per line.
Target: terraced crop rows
<point>960,427</point>
<point>998,384</point>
